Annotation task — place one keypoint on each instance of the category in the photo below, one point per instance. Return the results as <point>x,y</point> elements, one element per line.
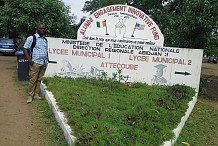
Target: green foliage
<point>184,23</point>
<point>192,24</point>
<point>110,83</point>
<point>118,76</point>
<point>180,91</point>
<point>106,112</point>
<point>94,5</point>
<point>138,85</point>
<point>203,86</point>
<point>175,93</point>
<point>20,18</point>
<point>47,124</point>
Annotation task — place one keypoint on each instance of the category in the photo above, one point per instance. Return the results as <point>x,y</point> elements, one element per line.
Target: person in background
<point>38,60</point>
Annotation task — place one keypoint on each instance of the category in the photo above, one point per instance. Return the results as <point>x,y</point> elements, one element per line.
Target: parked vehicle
<point>7,46</point>
<point>213,59</point>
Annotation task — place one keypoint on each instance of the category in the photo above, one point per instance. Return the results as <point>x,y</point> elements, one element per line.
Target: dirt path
<point>16,125</point>
<point>210,72</point>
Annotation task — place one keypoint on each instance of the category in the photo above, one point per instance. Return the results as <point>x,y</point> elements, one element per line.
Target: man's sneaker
<point>36,96</point>
<point>29,99</point>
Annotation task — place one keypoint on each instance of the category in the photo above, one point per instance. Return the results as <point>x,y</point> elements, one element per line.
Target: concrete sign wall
<point>120,24</point>
<point>139,63</point>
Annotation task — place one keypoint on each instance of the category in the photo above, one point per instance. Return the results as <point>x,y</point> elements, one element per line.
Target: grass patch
<point>201,127</point>
<point>105,112</point>
<point>47,124</point>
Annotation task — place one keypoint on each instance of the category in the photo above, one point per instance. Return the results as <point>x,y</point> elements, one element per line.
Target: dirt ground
<point>16,121</point>
<point>210,73</point>
<point>16,117</point>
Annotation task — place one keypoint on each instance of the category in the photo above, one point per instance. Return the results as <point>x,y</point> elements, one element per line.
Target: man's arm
<point>26,50</point>
<point>26,54</point>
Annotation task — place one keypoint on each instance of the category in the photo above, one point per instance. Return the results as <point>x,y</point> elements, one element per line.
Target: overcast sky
<point>76,7</point>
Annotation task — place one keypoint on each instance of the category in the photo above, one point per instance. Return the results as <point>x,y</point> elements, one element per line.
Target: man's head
<point>41,29</point>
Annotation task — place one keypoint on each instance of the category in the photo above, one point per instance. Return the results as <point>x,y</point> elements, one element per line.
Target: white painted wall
<point>141,63</point>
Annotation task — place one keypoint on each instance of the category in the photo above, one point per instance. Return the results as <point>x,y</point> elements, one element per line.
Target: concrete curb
<point>59,115</point>
<point>179,127</point>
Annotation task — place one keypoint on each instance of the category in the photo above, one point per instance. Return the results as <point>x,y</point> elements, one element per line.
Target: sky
<point>76,7</point>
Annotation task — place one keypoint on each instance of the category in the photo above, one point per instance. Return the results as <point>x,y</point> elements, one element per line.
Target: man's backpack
<point>30,51</point>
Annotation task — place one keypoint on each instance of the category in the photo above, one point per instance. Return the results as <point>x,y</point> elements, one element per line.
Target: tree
<point>92,6</point>
<point>192,24</point>
<point>20,17</point>
<point>184,23</point>
<point>151,8</point>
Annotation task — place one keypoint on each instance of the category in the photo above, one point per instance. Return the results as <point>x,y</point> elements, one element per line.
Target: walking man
<point>36,52</point>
